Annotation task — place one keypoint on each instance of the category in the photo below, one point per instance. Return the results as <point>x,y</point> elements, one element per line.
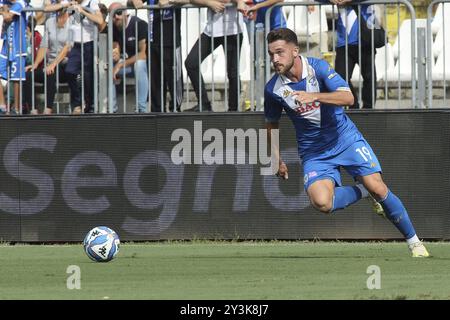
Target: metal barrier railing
<point>420,82</point>
<point>444,32</point>
<point>211,44</point>
<point>93,102</point>
<point>388,81</point>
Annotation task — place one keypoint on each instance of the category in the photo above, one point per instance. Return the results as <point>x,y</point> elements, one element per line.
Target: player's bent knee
<point>323,204</point>
<point>378,190</point>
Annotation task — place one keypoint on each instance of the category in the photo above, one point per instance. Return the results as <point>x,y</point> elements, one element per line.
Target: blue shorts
<point>358,160</point>
<point>16,68</point>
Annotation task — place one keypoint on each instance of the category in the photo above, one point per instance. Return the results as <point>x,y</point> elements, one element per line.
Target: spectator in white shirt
<point>87,18</point>
<point>224,24</point>
<point>53,50</point>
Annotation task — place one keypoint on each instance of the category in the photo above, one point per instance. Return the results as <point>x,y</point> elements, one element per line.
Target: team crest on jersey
<point>313,81</point>
<point>286,93</point>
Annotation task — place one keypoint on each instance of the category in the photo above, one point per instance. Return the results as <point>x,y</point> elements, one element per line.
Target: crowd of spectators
<point>147,51</point>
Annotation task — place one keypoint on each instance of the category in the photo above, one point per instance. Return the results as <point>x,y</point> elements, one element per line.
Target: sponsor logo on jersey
<point>306,107</point>
<point>308,176</point>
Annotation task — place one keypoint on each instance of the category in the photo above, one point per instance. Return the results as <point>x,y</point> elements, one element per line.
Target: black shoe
<point>178,109</point>
<point>196,108</point>
<point>88,110</point>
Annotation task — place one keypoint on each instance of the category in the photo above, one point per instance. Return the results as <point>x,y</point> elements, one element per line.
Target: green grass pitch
<point>227,270</point>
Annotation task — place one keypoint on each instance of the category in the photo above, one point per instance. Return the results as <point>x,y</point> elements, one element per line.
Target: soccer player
<point>313,95</point>
<point>14,50</point>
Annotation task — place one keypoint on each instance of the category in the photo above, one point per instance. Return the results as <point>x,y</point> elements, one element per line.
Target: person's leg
<point>88,52</point>
<point>321,193</point>
<point>75,93</point>
<point>139,72</point>
<point>59,78</point>
<point>123,72</point>
<point>179,83</point>
<point>18,78</point>
<point>27,87</point>
<point>51,91</point>
<point>141,77</point>
<point>346,73</point>
<point>393,207</point>
<point>361,162</point>
<point>114,99</point>
<point>323,184</point>
<point>173,72</point>
<point>155,75</point>
<point>203,49</point>
<point>2,98</point>
<point>395,211</point>
<point>27,92</point>
<point>234,43</point>
<point>369,89</point>
<point>73,70</point>
<point>16,107</point>
<point>327,198</point>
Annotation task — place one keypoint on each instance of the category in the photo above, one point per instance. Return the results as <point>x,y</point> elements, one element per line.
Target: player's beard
<point>283,69</point>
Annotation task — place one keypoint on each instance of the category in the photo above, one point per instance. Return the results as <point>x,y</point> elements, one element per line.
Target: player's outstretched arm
<point>338,98</point>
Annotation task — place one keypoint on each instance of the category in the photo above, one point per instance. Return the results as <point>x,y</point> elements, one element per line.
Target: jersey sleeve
<point>272,108</point>
<point>332,80</point>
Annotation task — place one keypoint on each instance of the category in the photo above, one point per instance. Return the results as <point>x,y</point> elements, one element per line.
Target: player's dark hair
<point>282,34</point>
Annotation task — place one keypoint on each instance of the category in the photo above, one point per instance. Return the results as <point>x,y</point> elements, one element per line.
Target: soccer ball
<point>101,244</point>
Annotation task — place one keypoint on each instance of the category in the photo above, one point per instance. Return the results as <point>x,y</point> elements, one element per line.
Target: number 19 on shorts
<point>364,153</point>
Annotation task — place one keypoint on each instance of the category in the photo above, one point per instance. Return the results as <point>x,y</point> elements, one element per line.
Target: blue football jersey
<point>320,128</point>
<point>277,19</point>
<point>15,35</point>
<point>348,17</point>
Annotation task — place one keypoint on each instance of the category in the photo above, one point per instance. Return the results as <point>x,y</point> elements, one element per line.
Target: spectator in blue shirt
<point>347,57</point>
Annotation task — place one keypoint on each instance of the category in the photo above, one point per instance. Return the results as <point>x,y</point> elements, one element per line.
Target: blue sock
<point>345,196</point>
<point>397,214</point>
